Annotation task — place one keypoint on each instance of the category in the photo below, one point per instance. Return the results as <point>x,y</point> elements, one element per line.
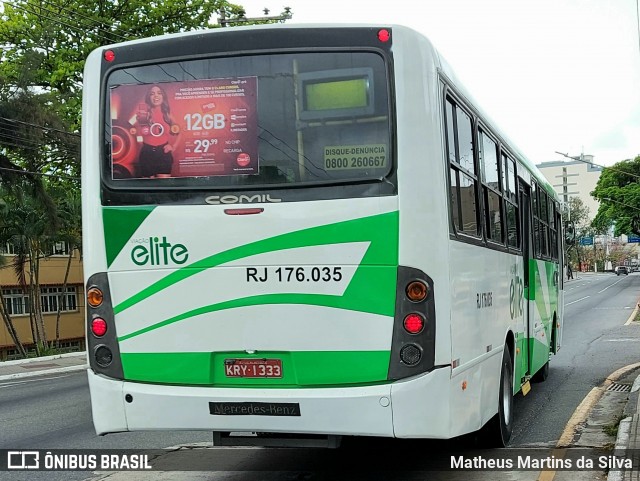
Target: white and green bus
<point>308,232</point>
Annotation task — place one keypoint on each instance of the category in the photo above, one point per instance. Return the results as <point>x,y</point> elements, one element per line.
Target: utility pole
<point>224,21</point>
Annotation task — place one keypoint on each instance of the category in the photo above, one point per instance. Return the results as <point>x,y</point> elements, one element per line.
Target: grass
<point>612,429</point>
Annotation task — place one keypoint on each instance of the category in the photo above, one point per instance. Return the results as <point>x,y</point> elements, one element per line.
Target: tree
<point>47,41</point>
<point>618,192</point>
<point>36,145</point>
<point>4,311</point>
<point>71,233</point>
<point>44,47</point>
<point>578,213</point>
<point>28,228</point>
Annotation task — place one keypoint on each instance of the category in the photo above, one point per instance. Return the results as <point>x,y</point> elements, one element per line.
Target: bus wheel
<point>542,374</point>
<point>498,430</point>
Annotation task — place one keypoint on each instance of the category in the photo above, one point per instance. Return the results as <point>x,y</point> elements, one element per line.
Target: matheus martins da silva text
<point>549,462</point>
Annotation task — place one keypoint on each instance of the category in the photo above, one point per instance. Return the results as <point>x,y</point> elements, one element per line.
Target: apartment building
<point>574,178</point>
<point>52,273</point>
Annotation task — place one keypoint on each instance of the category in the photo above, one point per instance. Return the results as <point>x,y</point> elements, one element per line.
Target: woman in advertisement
<point>160,134</point>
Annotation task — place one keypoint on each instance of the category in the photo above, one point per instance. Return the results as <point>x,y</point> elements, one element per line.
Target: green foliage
<point>578,213</point>
<point>69,206</point>
<point>49,40</point>
<point>612,429</point>
<point>45,350</point>
<point>44,44</point>
<point>36,141</point>
<point>618,192</point>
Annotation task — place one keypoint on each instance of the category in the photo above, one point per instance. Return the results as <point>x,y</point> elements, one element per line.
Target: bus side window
<point>511,201</point>
<point>491,189</point>
<point>464,178</point>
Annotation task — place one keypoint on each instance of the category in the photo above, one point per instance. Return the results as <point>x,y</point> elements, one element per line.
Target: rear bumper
<point>361,411</point>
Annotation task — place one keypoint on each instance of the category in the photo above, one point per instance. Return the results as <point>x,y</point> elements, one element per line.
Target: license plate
<point>253,367</point>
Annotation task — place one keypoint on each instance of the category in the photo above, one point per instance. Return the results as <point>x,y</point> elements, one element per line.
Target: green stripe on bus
<point>380,230</point>
<point>357,297</point>
<point>530,350</point>
<point>545,303</point>
<point>119,225</point>
<point>302,368</point>
<point>540,350</point>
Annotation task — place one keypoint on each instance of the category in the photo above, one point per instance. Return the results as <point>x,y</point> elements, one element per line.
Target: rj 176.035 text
<point>295,274</point>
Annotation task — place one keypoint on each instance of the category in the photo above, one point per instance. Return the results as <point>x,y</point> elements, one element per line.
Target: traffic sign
<point>586,241</point>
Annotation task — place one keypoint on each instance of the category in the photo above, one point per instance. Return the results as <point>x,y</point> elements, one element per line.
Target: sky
<point>555,75</point>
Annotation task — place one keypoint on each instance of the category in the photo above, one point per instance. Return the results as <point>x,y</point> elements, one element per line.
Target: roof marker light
<point>109,55</point>
<point>384,35</point>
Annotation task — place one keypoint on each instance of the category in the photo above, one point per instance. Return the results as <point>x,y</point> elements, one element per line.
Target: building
<point>51,274</point>
<point>574,178</point>
<point>578,178</point>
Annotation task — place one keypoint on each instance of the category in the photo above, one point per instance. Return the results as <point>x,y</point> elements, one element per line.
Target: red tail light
<point>98,327</point>
<point>414,323</point>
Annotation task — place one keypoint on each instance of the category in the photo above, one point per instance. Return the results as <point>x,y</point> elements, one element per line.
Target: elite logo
<point>156,252</point>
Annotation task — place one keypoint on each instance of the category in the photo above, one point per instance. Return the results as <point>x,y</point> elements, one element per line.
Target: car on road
<point>622,270</point>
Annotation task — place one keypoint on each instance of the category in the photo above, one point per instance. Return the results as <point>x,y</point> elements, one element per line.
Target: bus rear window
<point>251,121</point>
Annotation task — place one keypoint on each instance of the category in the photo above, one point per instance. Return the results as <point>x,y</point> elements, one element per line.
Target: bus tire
<point>498,430</point>
<point>542,374</point>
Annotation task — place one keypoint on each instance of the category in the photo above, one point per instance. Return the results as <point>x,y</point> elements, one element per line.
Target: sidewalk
<point>74,361</point>
<point>628,439</point>
<point>579,275</point>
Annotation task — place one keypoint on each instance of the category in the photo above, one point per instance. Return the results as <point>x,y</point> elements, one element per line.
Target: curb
<point>623,439</point>
<point>633,314</point>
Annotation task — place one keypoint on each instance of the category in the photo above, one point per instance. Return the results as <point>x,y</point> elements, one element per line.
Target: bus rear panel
<point>254,285</point>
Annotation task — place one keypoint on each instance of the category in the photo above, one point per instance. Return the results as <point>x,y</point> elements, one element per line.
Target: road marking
<point>628,339</point>
<point>549,475</point>
<point>30,380</point>
<point>609,286</point>
<point>573,302</point>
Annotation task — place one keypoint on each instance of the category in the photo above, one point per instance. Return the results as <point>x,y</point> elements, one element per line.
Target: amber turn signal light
<point>94,297</point>
<point>417,291</point>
